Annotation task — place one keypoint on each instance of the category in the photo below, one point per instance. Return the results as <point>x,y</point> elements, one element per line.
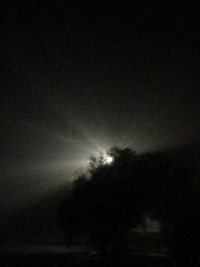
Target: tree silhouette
<point>174,202</point>
<point>106,204</point>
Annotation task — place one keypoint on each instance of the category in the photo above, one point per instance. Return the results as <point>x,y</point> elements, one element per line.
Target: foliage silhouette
<point>106,204</point>
<point>176,204</point>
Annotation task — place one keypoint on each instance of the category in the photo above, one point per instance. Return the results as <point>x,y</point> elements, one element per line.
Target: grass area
<point>52,260</point>
<point>149,243</point>
<point>146,250</point>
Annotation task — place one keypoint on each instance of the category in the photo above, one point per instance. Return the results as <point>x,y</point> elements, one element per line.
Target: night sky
<point>78,78</point>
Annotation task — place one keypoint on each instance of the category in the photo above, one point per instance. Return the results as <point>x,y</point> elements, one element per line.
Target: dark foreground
<point>46,259</point>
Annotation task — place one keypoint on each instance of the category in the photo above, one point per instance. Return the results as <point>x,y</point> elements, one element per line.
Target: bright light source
<point>108,159</point>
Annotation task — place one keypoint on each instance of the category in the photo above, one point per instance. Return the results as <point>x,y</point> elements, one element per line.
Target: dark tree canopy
<point>106,204</point>
<point>111,199</point>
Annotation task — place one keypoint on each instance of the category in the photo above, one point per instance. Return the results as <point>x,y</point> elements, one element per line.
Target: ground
<point>56,260</point>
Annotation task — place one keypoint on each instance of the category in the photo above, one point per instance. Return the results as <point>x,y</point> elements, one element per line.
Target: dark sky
<point>78,78</point>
